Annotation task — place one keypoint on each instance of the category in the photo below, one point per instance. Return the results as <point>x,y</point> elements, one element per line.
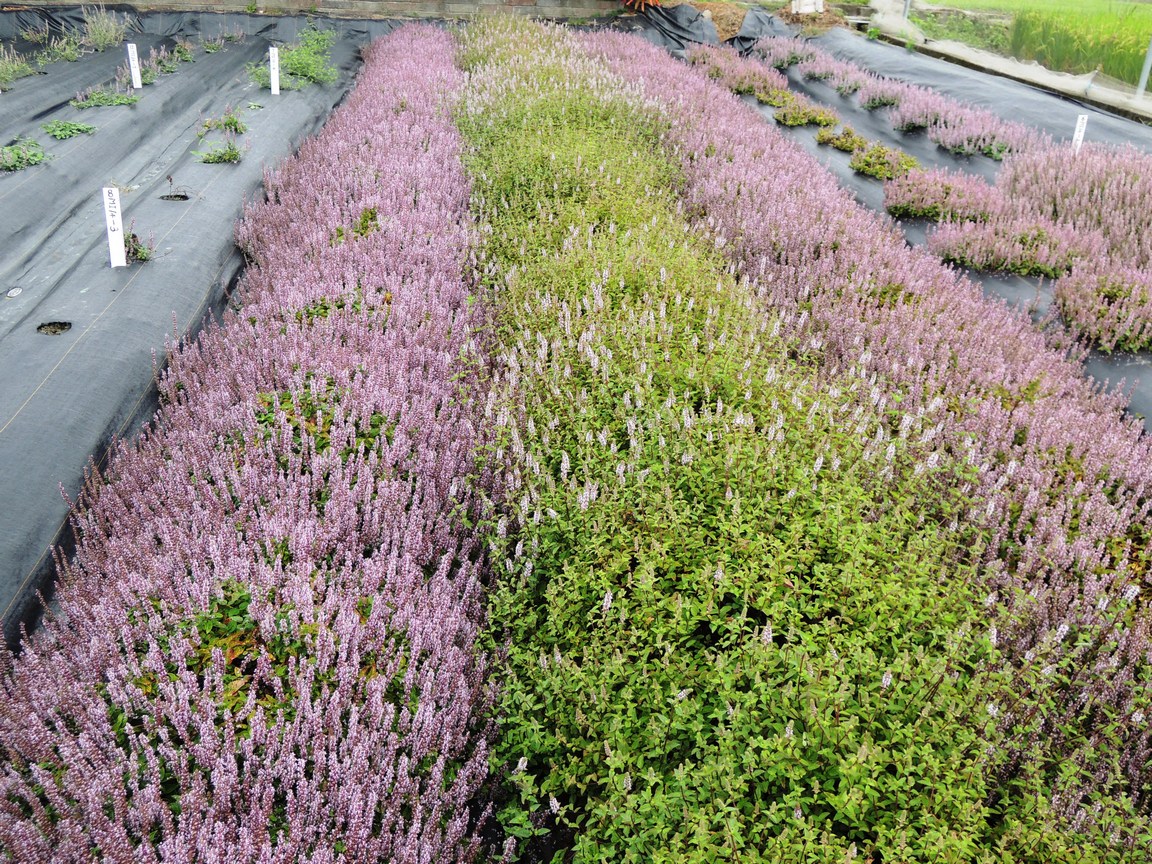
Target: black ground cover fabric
<point>66,397</point>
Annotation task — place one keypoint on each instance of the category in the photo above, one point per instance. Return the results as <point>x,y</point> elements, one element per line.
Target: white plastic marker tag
<point>134,66</point>
<point>115,225</point>
<point>1078,138</point>
<point>274,68</point>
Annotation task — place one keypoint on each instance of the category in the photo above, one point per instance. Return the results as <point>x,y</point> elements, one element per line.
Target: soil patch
<point>726,17</point>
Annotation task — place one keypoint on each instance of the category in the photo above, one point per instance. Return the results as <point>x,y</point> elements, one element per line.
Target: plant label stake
<point>1140,88</point>
<point>115,223</point>
<point>1078,138</point>
<point>134,66</point>
<point>274,69</point>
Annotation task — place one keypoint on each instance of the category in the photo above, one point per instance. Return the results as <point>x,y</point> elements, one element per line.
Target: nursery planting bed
<point>79,340</point>
<point>582,474</point>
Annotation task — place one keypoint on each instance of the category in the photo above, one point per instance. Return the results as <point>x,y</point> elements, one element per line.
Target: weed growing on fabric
<point>228,122</point>
<point>102,97</point>
<point>62,130</point>
<point>36,35</point>
<point>102,29</point>
<point>22,153</point>
<point>184,51</point>
<point>136,249</point>
<point>12,67</point>
<point>308,61</point>
<point>220,153</point>
<point>66,47</point>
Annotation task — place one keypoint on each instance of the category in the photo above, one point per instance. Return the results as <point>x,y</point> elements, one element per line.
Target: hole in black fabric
<point>175,196</point>
<point>55,328</point>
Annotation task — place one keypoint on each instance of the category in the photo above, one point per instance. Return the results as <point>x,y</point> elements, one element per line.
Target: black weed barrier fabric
<point>79,341</point>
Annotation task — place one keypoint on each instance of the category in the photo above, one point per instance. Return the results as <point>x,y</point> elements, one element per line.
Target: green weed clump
<point>62,130</point>
<point>220,153</point>
<point>229,122</point>
<point>102,29</point>
<point>101,97</point>
<point>12,67</point>
<point>737,627</point>
<point>22,153</point>
<point>66,47</point>
<point>306,62</point>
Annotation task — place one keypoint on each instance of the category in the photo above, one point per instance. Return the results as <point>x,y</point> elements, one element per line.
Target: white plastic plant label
<point>274,69</point>
<point>1078,138</point>
<point>115,223</point>
<point>134,66</point>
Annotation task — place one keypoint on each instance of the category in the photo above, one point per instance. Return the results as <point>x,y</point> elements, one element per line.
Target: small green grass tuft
<point>226,153</point>
<point>13,66</point>
<point>103,29</point>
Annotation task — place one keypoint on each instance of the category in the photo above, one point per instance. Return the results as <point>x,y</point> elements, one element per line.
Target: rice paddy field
<point>581,474</point>
<point>1073,37</point>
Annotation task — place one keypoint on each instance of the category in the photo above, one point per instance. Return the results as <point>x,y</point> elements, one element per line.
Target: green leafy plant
<point>873,33</point>
<point>22,153</point>
<point>308,61</point>
<point>102,98</point>
<point>847,139</point>
<point>62,130</point>
<point>12,67</point>
<point>102,29</point>
<point>220,153</point>
<point>883,163</point>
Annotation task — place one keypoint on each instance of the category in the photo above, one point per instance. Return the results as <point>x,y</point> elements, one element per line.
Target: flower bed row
<point>266,644</point>
<point>1053,212</point>
<point>1077,217</point>
<point>1061,492</point>
<point>739,587</point>
<point>956,126</point>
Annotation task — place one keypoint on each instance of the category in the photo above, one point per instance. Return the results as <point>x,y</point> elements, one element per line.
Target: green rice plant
<point>12,66</point>
<point>22,153</point>
<point>62,130</point>
<point>1114,41</point>
<point>102,97</point>
<point>308,61</point>
<point>103,29</point>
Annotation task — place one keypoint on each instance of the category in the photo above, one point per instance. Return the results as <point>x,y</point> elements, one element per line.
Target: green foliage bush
<point>846,139</point>
<point>12,67</point>
<point>883,163</point>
